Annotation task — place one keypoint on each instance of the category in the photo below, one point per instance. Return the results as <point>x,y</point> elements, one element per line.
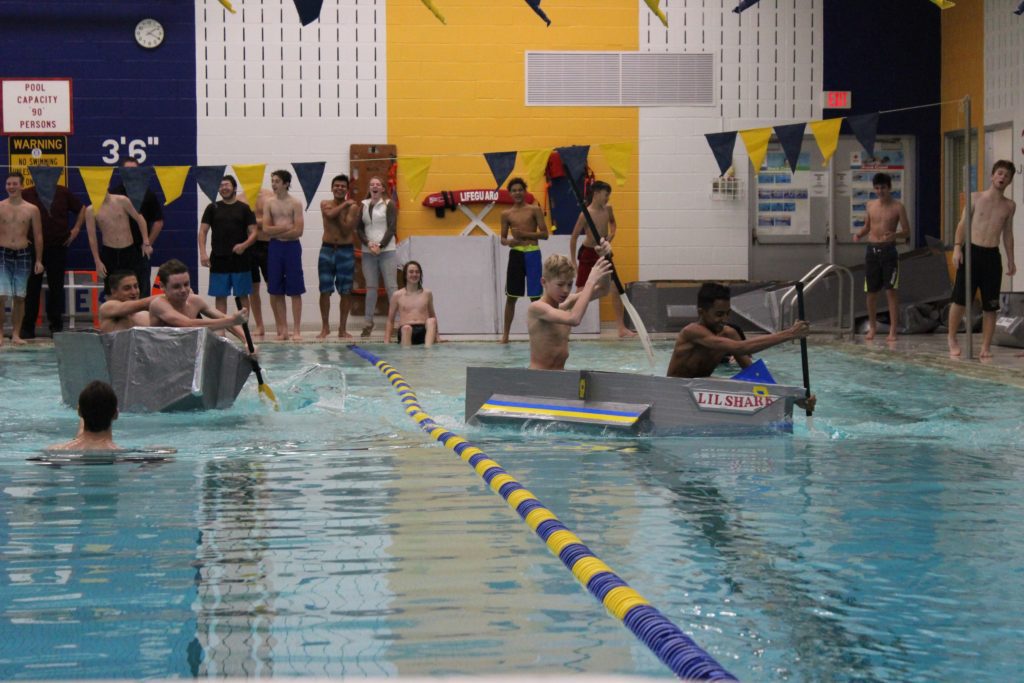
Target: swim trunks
<point>419,334</point>
<point>284,268</point>
<point>881,267</point>
<point>124,258</point>
<point>586,257</point>
<point>258,252</point>
<point>336,266</point>
<point>523,273</point>
<point>226,284</point>
<point>15,267</point>
<point>986,275</point>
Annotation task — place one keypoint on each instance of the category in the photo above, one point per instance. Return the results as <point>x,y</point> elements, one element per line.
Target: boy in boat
<point>179,306</point>
<point>414,307</point>
<point>886,223</point>
<point>124,309</point>
<point>701,346</point>
<point>604,220</point>
<point>97,410</point>
<point>521,226</point>
<point>551,318</point>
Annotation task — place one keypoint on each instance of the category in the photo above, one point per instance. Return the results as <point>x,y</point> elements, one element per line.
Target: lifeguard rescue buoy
<point>450,199</point>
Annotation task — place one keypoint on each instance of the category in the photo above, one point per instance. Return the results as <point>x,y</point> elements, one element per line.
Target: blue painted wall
<point>119,90</point>
<point>888,54</point>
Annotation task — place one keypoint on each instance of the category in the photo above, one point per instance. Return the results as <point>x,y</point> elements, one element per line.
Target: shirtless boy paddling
<point>179,306</point>
<point>123,309</point>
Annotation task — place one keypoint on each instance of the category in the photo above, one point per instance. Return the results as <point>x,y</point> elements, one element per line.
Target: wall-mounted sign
<point>36,106</point>
<point>836,99</point>
<point>24,151</point>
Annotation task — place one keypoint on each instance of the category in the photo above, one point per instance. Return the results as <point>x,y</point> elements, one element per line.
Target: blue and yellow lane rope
<point>666,640</point>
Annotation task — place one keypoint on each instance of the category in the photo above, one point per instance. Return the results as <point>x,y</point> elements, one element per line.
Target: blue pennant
<point>309,173</point>
<point>45,179</point>
<point>755,372</point>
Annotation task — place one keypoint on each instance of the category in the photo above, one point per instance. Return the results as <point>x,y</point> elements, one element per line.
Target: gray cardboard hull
<point>153,368</point>
<point>677,406</point>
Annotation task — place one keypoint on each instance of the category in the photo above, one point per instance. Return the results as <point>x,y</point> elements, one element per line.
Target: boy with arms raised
<point>551,318</point>
<point>123,309</point>
<point>414,307</point>
<point>886,222</point>
<point>604,220</point>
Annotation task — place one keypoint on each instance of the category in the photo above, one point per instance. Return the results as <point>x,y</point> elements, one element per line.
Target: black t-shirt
<point>229,225</point>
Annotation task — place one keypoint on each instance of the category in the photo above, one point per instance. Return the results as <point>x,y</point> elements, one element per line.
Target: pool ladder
<point>813,278</point>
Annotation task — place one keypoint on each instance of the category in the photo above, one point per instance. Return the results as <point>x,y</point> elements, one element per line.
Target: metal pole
<point>831,213</point>
<point>966,251</point>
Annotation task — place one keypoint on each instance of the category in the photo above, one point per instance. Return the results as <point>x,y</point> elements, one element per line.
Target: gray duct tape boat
<point>639,404</point>
<point>154,368</point>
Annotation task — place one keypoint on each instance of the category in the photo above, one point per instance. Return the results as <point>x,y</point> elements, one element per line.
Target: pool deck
<point>1005,367</point>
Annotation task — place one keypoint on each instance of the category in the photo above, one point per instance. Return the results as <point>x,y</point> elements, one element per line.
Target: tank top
<point>375,223</point>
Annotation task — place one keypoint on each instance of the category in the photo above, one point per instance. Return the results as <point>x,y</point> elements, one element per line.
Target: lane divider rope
<point>667,641</point>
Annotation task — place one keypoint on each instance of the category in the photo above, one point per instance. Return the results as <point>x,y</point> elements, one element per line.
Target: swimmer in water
<point>97,408</point>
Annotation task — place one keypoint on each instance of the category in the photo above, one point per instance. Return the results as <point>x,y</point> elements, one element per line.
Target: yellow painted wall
<point>456,91</point>
<point>963,73</point>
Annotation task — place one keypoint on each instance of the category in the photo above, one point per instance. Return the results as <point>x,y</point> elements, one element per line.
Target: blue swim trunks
<point>226,284</point>
<point>523,273</point>
<point>336,265</point>
<point>15,267</point>
<point>284,268</point>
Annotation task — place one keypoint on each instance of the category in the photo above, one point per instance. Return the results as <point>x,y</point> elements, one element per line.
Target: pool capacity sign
<point>36,106</point>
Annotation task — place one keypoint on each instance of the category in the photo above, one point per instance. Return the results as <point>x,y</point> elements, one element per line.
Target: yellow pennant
<point>618,155</point>
<point>826,134</point>
<point>756,142</point>
<point>97,180</point>
<point>250,177</point>
<point>437,12</point>
<point>172,180</point>
<point>413,172</point>
<point>536,161</point>
<point>653,4</point>
<point>228,7</point>
<point>944,4</point>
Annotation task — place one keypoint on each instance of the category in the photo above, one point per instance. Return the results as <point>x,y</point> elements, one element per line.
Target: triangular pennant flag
<point>228,7</point>
<point>250,177</point>
<point>574,159</point>
<point>536,161</point>
<point>1020,9</point>
<point>172,180</point>
<point>136,181</point>
<point>308,173</point>
<point>535,4</point>
<point>437,12</point>
<point>756,142</point>
<point>501,164</point>
<point>97,180</point>
<point>865,127</point>
<point>309,10</point>
<point>791,138</point>
<point>826,134</point>
<point>208,178</point>
<point>755,372</point>
<point>653,4</point>
<point>413,172</point>
<point>722,145</point>
<point>944,4</point>
<point>618,155</point>
<point>45,179</point>
<point>744,5</point>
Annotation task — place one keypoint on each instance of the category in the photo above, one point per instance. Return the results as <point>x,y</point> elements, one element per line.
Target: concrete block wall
<point>768,71</point>
<point>272,91</point>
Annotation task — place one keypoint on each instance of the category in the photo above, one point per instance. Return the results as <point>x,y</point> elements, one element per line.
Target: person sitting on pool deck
<point>124,309</point>
<point>701,346</point>
<point>179,306</point>
<point>551,318</point>
<point>97,410</point>
<point>414,307</point>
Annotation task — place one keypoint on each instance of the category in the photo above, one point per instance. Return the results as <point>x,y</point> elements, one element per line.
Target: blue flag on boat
<point>755,372</point>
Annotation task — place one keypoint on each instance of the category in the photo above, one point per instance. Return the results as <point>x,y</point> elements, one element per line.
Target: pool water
<point>334,538</point>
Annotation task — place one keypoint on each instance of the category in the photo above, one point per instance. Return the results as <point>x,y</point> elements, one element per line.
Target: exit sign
<point>837,99</point>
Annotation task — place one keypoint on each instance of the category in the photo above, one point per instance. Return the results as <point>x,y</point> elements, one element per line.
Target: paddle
<point>262,387</point>
<point>641,331</point>
<point>803,341</point>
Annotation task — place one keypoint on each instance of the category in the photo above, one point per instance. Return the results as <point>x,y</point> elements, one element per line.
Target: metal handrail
<point>812,278</point>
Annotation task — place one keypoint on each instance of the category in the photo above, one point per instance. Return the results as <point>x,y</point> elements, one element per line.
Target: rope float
<point>666,640</point>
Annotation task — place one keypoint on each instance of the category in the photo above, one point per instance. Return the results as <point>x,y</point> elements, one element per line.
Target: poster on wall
<point>783,197</point>
<point>890,158</point>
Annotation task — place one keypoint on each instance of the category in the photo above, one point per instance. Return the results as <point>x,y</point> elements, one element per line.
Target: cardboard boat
<point>153,368</point>
<point>638,404</point>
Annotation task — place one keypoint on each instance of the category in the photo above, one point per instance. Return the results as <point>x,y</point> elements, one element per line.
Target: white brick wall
<point>272,91</point>
<point>769,72</point>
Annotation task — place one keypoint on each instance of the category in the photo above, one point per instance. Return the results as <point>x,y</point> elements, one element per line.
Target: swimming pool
<point>334,538</point>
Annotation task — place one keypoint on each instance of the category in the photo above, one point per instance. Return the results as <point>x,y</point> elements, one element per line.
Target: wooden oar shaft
<point>594,233</point>
<point>803,340</point>
<point>248,341</point>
